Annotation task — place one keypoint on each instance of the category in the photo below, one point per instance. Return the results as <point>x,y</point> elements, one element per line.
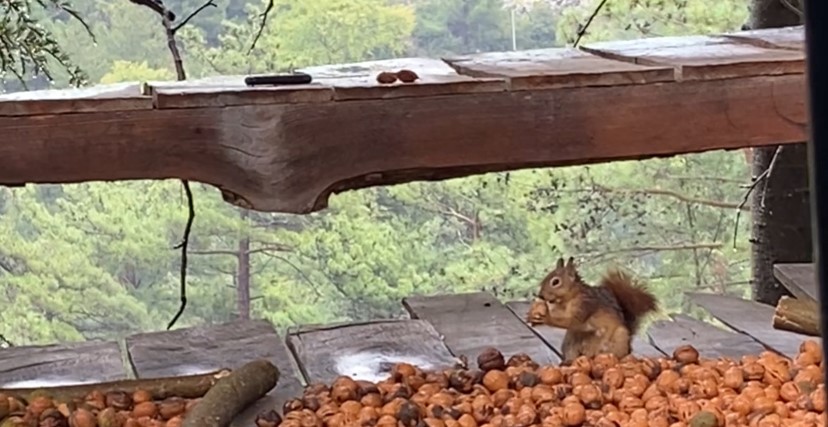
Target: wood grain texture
<point>557,68</point>
<point>367,350</point>
<point>752,319</point>
<point>64,364</point>
<point>776,38</point>
<point>710,341</point>
<point>359,80</point>
<point>112,97</point>
<point>207,348</point>
<point>798,279</point>
<point>471,322</point>
<point>704,57</point>
<point>554,336</point>
<point>285,158</point>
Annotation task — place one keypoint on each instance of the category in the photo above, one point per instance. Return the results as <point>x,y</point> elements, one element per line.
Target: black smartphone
<point>278,79</point>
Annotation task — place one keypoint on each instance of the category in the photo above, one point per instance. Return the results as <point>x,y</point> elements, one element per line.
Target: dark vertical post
<point>816,47</point>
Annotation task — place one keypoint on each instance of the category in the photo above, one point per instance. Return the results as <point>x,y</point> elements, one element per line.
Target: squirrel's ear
<point>570,263</point>
<point>560,263</point>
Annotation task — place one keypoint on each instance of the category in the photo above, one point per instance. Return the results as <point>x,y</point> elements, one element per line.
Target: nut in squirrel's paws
<point>537,312</point>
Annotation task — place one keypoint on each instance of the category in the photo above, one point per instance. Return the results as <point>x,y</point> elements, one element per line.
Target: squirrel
<point>597,319</point>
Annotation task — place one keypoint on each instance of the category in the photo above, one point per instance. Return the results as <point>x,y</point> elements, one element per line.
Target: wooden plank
<point>776,38</point>
<point>285,158</point>
<point>202,349</point>
<point>799,279</point>
<point>554,336</point>
<point>558,68</point>
<point>750,318</point>
<point>194,97</point>
<point>436,78</point>
<point>368,350</point>
<point>471,322</point>
<point>710,341</point>
<point>64,364</point>
<point>111,98</point>
<point>704,57</point>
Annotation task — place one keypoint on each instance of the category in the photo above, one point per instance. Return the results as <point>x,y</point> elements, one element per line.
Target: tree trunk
<point>243,275</point>
<point>782,230</point>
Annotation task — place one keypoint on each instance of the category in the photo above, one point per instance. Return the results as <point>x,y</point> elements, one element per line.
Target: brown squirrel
<point>597,319</point>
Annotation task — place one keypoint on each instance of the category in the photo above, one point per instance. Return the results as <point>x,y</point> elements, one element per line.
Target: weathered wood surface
<point>554,336</point>
<point>798,279</point>
<point>752,319</point>
<point>471,322</point>
<point>704,57</point>
<point>112,97</point>
<point>204,349</point>
<point>558,68</point>
<point>64,364</point>
<point>285,158</point>
<point>710,341</point>
<point>273,149</point>
<point>367,351</point>
<point>780,38</point>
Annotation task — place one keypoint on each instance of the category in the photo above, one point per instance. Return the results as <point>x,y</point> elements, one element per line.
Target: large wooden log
<point>288,149</point>
<point>797,315</point>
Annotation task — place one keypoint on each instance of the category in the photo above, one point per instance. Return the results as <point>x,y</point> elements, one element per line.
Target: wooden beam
<point>367,350</point>
<point>203,349</point>
<point>471,322</point>
<point>286,149</point>
<point>710,341</point>
<point>798,279</point>
<point>752,319</point>
<point>58,365</point>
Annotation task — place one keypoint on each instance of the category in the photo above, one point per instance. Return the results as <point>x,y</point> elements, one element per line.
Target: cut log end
<point>797,315</point>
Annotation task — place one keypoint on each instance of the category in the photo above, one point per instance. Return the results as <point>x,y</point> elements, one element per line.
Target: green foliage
<point>626,19</point>
<point>98,260</point>
<point>30,51</point>
<point>126,71</point>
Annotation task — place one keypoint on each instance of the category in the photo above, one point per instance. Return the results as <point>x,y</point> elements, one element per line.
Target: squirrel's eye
<point>555,282</point>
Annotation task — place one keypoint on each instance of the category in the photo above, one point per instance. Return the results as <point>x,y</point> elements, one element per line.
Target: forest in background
<point>97,260</point>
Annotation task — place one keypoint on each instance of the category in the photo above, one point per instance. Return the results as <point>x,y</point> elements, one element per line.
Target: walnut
<point>491,359</point>
<point>407,76</point>
<point>386,77</point>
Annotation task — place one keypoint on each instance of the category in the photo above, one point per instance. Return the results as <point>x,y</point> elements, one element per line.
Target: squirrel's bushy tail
<point>633,297</point>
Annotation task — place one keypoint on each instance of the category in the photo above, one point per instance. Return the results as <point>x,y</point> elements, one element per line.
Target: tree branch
<point>264,15</point>
<point>654,248</point>
<point>3,339</point>
<point>193,14</point>
<point>585,27</point>
<point>675,195</point>
<point>167,17</point>
<point>764,176</point>
<point>270,248</point>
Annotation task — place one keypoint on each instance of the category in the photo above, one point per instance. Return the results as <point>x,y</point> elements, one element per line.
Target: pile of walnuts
<point>767,390</point>
<point>97,409</point>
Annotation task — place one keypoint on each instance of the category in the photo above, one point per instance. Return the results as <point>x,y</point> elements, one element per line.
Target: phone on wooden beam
<point>278,79</point>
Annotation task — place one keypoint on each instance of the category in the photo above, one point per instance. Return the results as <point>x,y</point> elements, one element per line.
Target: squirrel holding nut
<point>597,319</point>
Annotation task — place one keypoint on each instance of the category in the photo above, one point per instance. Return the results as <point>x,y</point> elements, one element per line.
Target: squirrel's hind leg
<point>618,343</point>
